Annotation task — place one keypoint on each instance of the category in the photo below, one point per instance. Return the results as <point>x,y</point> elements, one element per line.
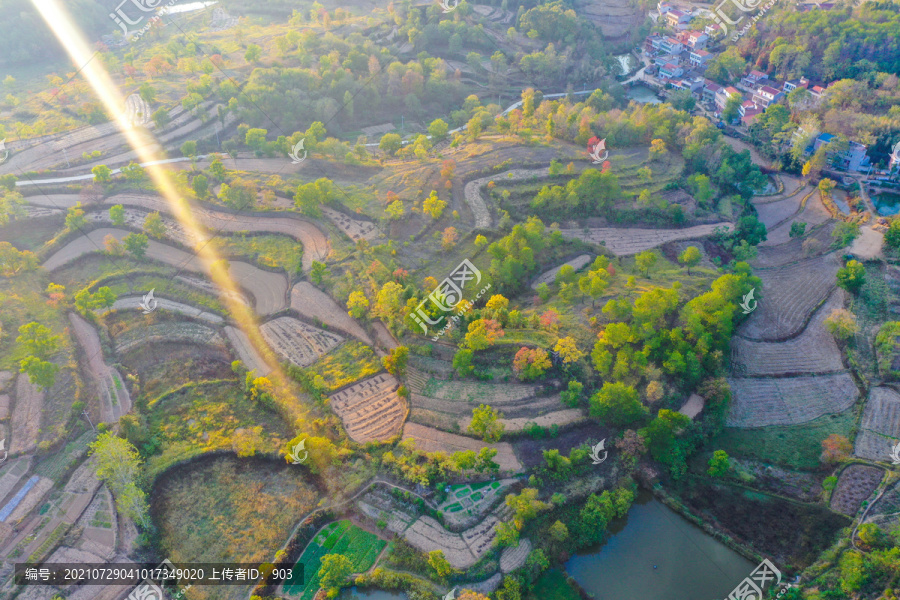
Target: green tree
<point>852,276</point>
<point>486,423</point>
<point>102,174</point>
<point>318,272</point>
<point>389,303</point>
<point>892,235</point>
<point>118,466</point>
<point>462,361</point>
<point>117,215</point>
<point>136,244</point>
<point>357,304</point>
<point>189,149</point>
<point>390,143</point>
<point>38,340</point>
<point>394,210</point>
<point>690,257</point>
<point>645,261</point>
<point>133,172</point>
<point>507,534</point>
<point>719,464</point>
<point>438,130</point>
<point>253,53</point>
<point>153,225</point>
<point>395,362</point>
<point>75,218</point>
<point>335,570</point>
<point>731,112</point>
<point>617,404</point>
<point>161,118</point>
<point>200,184</point>
<point>41,373</point>
<point>439,564</point>
<point>798,229</point>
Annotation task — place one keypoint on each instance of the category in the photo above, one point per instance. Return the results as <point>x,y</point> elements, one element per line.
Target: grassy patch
<point>552,585</point>
<point>59,462</point>
<point>349,362</point>
<point>797,447</point>
<point>199,418</point>
<point>23,300</point>
<point>361,547</point>
<point>278,251</point>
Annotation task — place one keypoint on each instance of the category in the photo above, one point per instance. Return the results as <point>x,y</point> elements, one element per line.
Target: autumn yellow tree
<point>568,350</point>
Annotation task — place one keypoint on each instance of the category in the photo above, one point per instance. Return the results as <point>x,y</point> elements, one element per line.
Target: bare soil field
<point>855,484</point>
<point>315,304</point>
<point>297,342</point>
<point>868,245</point>
<point>531,451</point>
<point>514,557</point>
<point>814,213</point>
<point>26,417</point>
<point>371,409</point>
<point>558,417</point>
<point>132,303</point>
<point>113,395</point>
<point>789,296</point>
<point>476,201</point>
<point>269,289</point>
<point>790,400</point>
<point>793,250</point>
<point>623,241</point>
<point>426,534</point>
<point>772,478</point>
<point>355,229</point>
<point>432,440</point>
<point>246,352</point>
<point>548,277</point>
<point>813,351</point>
<point>774,213</point>
<point>880,426</point>
<point>183,332</point>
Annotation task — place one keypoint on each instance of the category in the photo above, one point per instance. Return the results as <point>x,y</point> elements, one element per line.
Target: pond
<point>356,593</point>
<point>643,95</point>
<point>655,553</point>
<point>887,204</point>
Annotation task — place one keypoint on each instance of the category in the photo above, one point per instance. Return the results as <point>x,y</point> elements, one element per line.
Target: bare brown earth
<point>133,303</point>
<point>268,289</point>
<point>114,398</point>
<point>246,352</point>
<point>855,484</point>
<point>297,342</point>
<point>371,409</point>
<point>758,402</point>
<point>26,417</point>
<point>433,440</point>
<point>628,241</point>
<point>880,426</point>
<point>317,305</point>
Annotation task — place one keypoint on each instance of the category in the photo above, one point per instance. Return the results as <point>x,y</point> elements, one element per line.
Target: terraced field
<point>297,342</point>
<point>432,440</point>
<point>133,303</point>
<point>814,213</point>
<point>790,295</point>
<point>371,409</point>
<point>813,351</point>
<point>776,212</point>
<point>316,304</point>
<point>628,241</point>
<point>796,249</point>
<point>880,426</point>
<point>462,550</point>
<point>789,401</point>
<point>548,277</point>
<point>185,332</point>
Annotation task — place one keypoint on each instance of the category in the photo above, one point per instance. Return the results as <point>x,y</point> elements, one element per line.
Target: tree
<point>719,464</point>
<point>480,241</point>
<point>189,149</point>
<point>200,184</point>
<point>390,143</point>
<point>462,361</point>
<point>798,229</point>
<point>433,206</point>
<point>118,466</point>
<point>568,350</point>
<point>617,404</point>
<point>892,235</point>
<point>835,448</point>
<point>153,225</point>
<point>136,244</point>
<point>483,333</point>
<point>842,324</point>
<point>559,532</point>
<point>531,363</point>
<point>486,423</point>
<point>449,238</point>
<point>38,340</point>
<point>438,130</point>
<point>731,112</point>
<point>690,257</point>
<point>852,276</point>
<point>645,261</point>
<point>161,118</point>
<point>253,53</point>
<point>240,194</point>
<point>133,172</point>
<point>41,373</point>
<point>389,303</point>
<point>394,210</point>
<point>12,261</point>
<point>395,362</point>
<point>11,206</point>
<point>507,534</point>
<point>102,174</point>
<point>318,272</point>
<point>439,564</point>
<point>75,218</point>
<point>117,215</point>
<point>335,570</point>
<point>357,304</point>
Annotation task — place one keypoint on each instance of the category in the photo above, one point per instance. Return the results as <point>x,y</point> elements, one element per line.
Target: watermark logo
<point>746,305</point>
<point>4,151</point>
<point>447,296</point>
<point>895,454</point>
<point>123,20</point>
<point>295,152</point>
<point>4,451</point>
<point>722,19</point>
<point>599,147</point>
<point>447,7</point>
<point>147,591</point>
<point>149,303</point>
<point>296,450</point>
<point>751,588</point>
<point>596,450</point>
<point>451,595</point>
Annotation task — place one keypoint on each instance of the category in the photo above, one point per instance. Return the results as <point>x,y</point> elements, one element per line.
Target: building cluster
<point>679,57</point>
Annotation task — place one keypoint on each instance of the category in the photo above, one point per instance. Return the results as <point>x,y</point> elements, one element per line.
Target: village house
<point>749,111</point>
<point>854,158</point>
<point>723,95</point>
<point>767,95</point>
<point>678,19</point>
<point>709,91</point>
<point>793,84</point>
<point>670,71</point>
<point>699,58</point>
